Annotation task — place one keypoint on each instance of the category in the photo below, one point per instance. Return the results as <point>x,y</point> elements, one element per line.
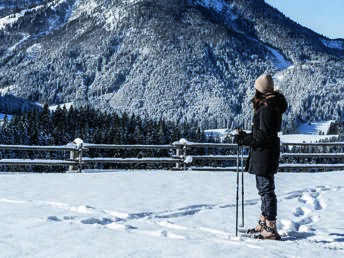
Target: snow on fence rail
<point>182,157</point>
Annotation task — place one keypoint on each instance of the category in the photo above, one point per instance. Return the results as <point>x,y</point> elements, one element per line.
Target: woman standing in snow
<point>268,105</point>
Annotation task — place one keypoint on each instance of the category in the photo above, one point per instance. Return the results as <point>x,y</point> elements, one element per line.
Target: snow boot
<point>260,226</point>
<point>269,231</point>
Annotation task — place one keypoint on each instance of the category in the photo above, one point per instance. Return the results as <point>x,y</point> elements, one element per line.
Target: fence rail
<point>180,154</point>
<point>122,147</point>
<point>38,148</point>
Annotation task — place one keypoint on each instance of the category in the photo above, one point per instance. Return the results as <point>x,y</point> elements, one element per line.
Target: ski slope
<point>164,214</point>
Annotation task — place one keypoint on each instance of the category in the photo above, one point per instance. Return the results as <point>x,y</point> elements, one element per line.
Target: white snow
<point>336,44</point>
<point>183,141</point>
<point>306,138</point>
<point>219,133</point>
<point>217,5</point>
<point>3,115</point>
<point>12,18</point>
<point>164,214</point>
<point>25,37</point>
<point>57,3</point>
<point>308,133</point>
<point>79,143</point>
<point>9,19</point>
<point>188,159</point>
<point>34,50</point>
<point>8,89</point>
<point>68,105</point>
<point>315,127</point>
<point>133,1</point>
<point>279,60</point>
<point>82,7</point>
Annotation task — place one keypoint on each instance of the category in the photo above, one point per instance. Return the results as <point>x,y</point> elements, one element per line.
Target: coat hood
<point>277,101</point>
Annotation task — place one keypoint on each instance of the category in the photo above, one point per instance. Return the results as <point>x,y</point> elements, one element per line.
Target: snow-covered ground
<point>315,127</point>
<point>279,60</point>
<point>308,133</point>
<point>336,44</point>
<point>2,116</point>
<point>164,214</point>
<point>9,19</point>
<point>68,105</point>
<point>306,138</point>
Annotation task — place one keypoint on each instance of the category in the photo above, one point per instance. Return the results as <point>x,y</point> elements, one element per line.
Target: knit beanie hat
<point>264,84</point>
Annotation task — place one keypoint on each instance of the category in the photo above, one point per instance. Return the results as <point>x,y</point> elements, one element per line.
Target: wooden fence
<point>180,154</point>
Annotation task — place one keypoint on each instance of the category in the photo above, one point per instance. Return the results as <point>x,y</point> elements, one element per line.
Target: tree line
<point>42,127</point>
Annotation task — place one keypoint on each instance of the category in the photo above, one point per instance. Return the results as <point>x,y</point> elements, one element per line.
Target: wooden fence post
<point>179,153</point>
<point>73,156</point>
<point>184,157</point>
<point>76,155</point>
<point>79,144</point>
<point>80,157</point>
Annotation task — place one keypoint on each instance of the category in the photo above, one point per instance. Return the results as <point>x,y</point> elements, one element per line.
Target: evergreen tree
<point>45,126</point>
<point>59,120</point>
<point>33,127</point>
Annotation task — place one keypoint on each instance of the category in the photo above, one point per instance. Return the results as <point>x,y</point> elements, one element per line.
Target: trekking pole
<point>242,186</point>
<point>237,195</point>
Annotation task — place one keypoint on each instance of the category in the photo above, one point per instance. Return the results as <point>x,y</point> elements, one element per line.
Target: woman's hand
<point>239,136</point>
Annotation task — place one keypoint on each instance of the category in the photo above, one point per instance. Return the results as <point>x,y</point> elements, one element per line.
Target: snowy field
<point>315,127</point>
<point>2,116</point>
<point>308,133</point>
<point>164,214</point>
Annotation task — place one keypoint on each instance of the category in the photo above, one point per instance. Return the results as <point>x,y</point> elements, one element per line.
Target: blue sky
<point>325,17</point>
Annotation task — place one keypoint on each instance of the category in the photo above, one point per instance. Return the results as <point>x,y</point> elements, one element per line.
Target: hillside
<point>193,60</point>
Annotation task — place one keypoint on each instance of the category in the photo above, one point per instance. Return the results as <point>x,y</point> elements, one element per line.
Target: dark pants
<point>266,190</point>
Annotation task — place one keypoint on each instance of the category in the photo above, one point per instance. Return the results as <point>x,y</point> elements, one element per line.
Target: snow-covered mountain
<point>192,60</point>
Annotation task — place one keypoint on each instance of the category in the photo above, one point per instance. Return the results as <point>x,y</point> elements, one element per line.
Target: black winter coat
<point>263,140</point>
